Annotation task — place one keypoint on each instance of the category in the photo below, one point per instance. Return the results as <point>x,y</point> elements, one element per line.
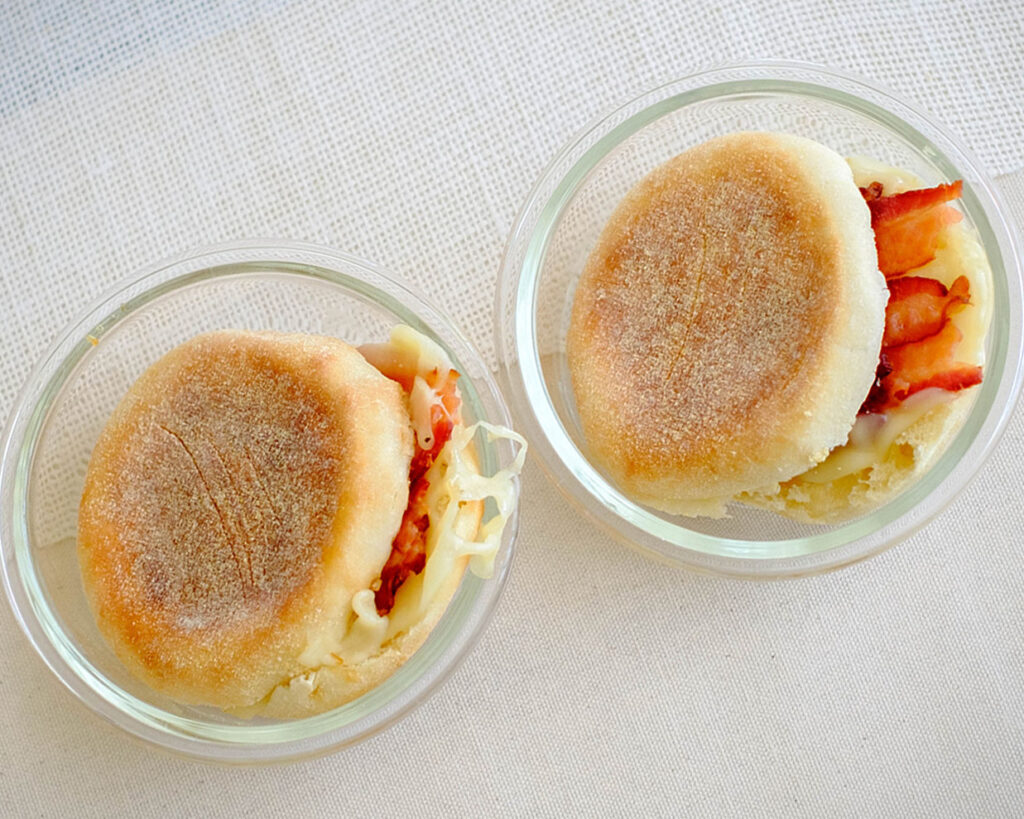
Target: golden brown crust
<point>246,486</point>
<point>726,327</point>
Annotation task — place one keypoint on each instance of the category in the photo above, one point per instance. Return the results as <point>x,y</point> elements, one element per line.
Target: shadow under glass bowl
<point>259,285</point>
<point>564,215</point>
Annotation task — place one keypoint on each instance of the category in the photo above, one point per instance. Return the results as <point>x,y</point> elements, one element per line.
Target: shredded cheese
<point>454,480</point>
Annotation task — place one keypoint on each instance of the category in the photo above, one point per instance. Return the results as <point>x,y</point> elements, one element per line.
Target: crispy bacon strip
<point>409,548</point>
<point>918,307</point>
<point>919,345</point>
<point>920,340</point>
<point>907,225</point>
<point>919,365</point>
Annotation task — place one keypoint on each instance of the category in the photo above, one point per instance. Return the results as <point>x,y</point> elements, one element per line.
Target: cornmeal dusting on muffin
<point>236,531</point>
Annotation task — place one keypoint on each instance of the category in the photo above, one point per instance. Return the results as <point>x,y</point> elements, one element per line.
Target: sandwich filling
<point>933,348</point>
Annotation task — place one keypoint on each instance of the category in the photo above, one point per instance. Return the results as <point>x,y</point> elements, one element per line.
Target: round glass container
<point>565,213</point>
<point>63,407</point>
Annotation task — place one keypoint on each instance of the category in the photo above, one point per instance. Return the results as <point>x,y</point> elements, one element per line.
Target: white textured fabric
<point>410,134</point>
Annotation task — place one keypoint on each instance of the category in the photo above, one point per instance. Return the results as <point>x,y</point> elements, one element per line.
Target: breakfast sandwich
<point>747,302</point>
<point>273,523</point>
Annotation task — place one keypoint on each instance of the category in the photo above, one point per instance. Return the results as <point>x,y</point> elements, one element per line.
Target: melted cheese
<point>894,180</point>
<point>872,435</point>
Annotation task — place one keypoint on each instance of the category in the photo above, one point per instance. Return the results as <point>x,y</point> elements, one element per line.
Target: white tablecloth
<point>410,133</point>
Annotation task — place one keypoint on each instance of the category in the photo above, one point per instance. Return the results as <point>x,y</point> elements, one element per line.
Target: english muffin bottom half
<point>726,328</point>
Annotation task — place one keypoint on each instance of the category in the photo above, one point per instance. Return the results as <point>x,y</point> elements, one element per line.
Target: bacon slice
<point>918,307</point>
<point>920,340</point>
<point>907,225</point>
<point>926,363</point>
<point>919,345</point>
<point>409,548</point>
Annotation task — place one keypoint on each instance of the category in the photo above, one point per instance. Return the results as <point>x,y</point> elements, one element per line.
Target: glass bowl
<point>67,400</point>
<point>569,206</point>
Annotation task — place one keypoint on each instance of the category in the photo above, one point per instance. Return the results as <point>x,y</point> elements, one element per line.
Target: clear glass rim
<point>451,639</point>
<point>534,409</point>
